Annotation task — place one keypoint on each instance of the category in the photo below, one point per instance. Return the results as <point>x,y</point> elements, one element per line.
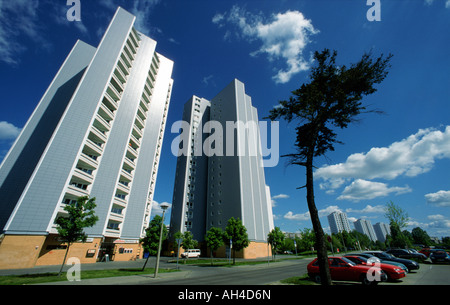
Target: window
<point>113,225</point>
<point>121,196</point>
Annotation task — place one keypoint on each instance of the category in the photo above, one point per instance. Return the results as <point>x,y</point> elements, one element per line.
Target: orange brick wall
<point>20,251</point>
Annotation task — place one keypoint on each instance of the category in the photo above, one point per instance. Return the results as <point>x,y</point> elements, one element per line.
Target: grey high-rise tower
<point>220,174</point>
<point>97,132</point>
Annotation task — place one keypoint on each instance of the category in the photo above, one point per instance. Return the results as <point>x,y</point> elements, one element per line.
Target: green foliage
<point>307,241</point>
<point>214,238</point>
<point>150,242</point>
<point>420,237</point>
<point>396,215</point>
<point>237,233</point>
<point>81,215</point>
<point>188,241</point>
<point>70,228</point>
<point>276,239</point>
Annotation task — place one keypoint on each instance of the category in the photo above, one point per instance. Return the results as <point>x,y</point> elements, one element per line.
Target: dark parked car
<point>342,269</point>
<point>374,258</point>
<point>440,256</point>
<point>411,265</point>
<point>402,253</point>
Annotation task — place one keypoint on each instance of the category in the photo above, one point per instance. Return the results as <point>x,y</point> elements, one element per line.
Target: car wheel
<point>365,281</point>
<point>317,279</point>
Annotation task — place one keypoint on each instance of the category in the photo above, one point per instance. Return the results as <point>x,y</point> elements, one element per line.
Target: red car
<point>343,269</point>
<point>393,272</point>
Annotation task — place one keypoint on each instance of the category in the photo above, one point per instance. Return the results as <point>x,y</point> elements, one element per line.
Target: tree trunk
<point>322,256</point>
<point>64,261</point>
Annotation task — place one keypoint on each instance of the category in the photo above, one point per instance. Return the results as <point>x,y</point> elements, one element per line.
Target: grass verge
<point>298,280</point>
<point>29,279</point>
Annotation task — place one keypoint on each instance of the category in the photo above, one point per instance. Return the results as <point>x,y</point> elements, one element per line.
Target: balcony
<point>120,202</point>
<point>97,136</point>
<point>123,67</point>
<point>141,113</point>
<point>113,93</point>
<point>137,133</point>
<point>123,188</point>
<point>76,191</point>
<point>83,176</point>
<point>94,148</point>
<point>129,163</point>
<point>126,174</point>
<point>132,153</point>
<point>139,122</point>
<point>101,123</point>
<point>120,75</point>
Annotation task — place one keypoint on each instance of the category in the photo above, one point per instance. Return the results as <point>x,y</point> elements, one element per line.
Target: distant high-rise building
<point>215,180</point>
<point>338,222</point>
<point>97,132</point>
<point>365,227</point>
<point>381,230</point>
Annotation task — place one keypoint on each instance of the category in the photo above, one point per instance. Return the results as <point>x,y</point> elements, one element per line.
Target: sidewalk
<point>109,265</point>
<point>96,266</point>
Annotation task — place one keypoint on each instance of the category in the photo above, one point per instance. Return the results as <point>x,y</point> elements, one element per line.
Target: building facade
<point>220,173</point>
<point>338,222</point>
<point>364,226</point>
<point>97,132</point>
<point>381,230</point>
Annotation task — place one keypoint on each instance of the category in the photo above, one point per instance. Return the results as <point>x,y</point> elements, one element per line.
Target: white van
<point>191,253</point>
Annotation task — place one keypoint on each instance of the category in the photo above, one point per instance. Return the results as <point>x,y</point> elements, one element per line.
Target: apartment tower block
<point>338,222</point>
<point>97,132</point>
<point>220,173</point>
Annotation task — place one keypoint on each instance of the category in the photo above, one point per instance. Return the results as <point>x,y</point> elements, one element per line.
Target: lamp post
<point>164,208</point>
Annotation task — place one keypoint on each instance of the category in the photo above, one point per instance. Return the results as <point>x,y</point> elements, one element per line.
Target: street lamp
<point>164,208</point>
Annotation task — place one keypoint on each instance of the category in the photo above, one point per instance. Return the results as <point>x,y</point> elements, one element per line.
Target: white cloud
<point>8,131</point>
<point>412,156</point>
<point>18,20</point>
<point>378,209</point>
<point>365,190</point>
<point>139,8</point>
<point>306,216</point>
<point>280,196</point>
<point>285,37</point>
<point>409,157</point>
<point>440,199</point>
<point>430,2</point>
<point>157,210</point>
<point>298,217</point>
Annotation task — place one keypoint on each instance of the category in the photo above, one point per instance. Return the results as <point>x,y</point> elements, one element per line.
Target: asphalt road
<point>262,274</point>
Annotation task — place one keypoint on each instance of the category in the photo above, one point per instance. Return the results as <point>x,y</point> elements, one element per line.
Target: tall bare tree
<point>332,99</point>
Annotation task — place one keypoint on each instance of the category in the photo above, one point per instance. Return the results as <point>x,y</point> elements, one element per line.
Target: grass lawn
<point>88,274</point>
<point>299,280</point>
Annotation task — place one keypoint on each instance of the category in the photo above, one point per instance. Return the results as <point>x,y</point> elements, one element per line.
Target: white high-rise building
<point>215,180</point>
<point>381,230</point>
<point>338,222</point>
<point>364,226</point>
<point>97,132</point>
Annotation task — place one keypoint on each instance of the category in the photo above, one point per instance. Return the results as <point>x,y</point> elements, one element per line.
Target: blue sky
<point>403,156</point>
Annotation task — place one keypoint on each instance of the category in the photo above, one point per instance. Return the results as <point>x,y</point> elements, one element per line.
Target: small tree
<point>275,238</point>
<point>71,227</point>
<point>396,215</point>
<point>150,242</point>
<point>236,232</point>
<point>214,240</point>
<point>420,237</point>
<point>188,242</point>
